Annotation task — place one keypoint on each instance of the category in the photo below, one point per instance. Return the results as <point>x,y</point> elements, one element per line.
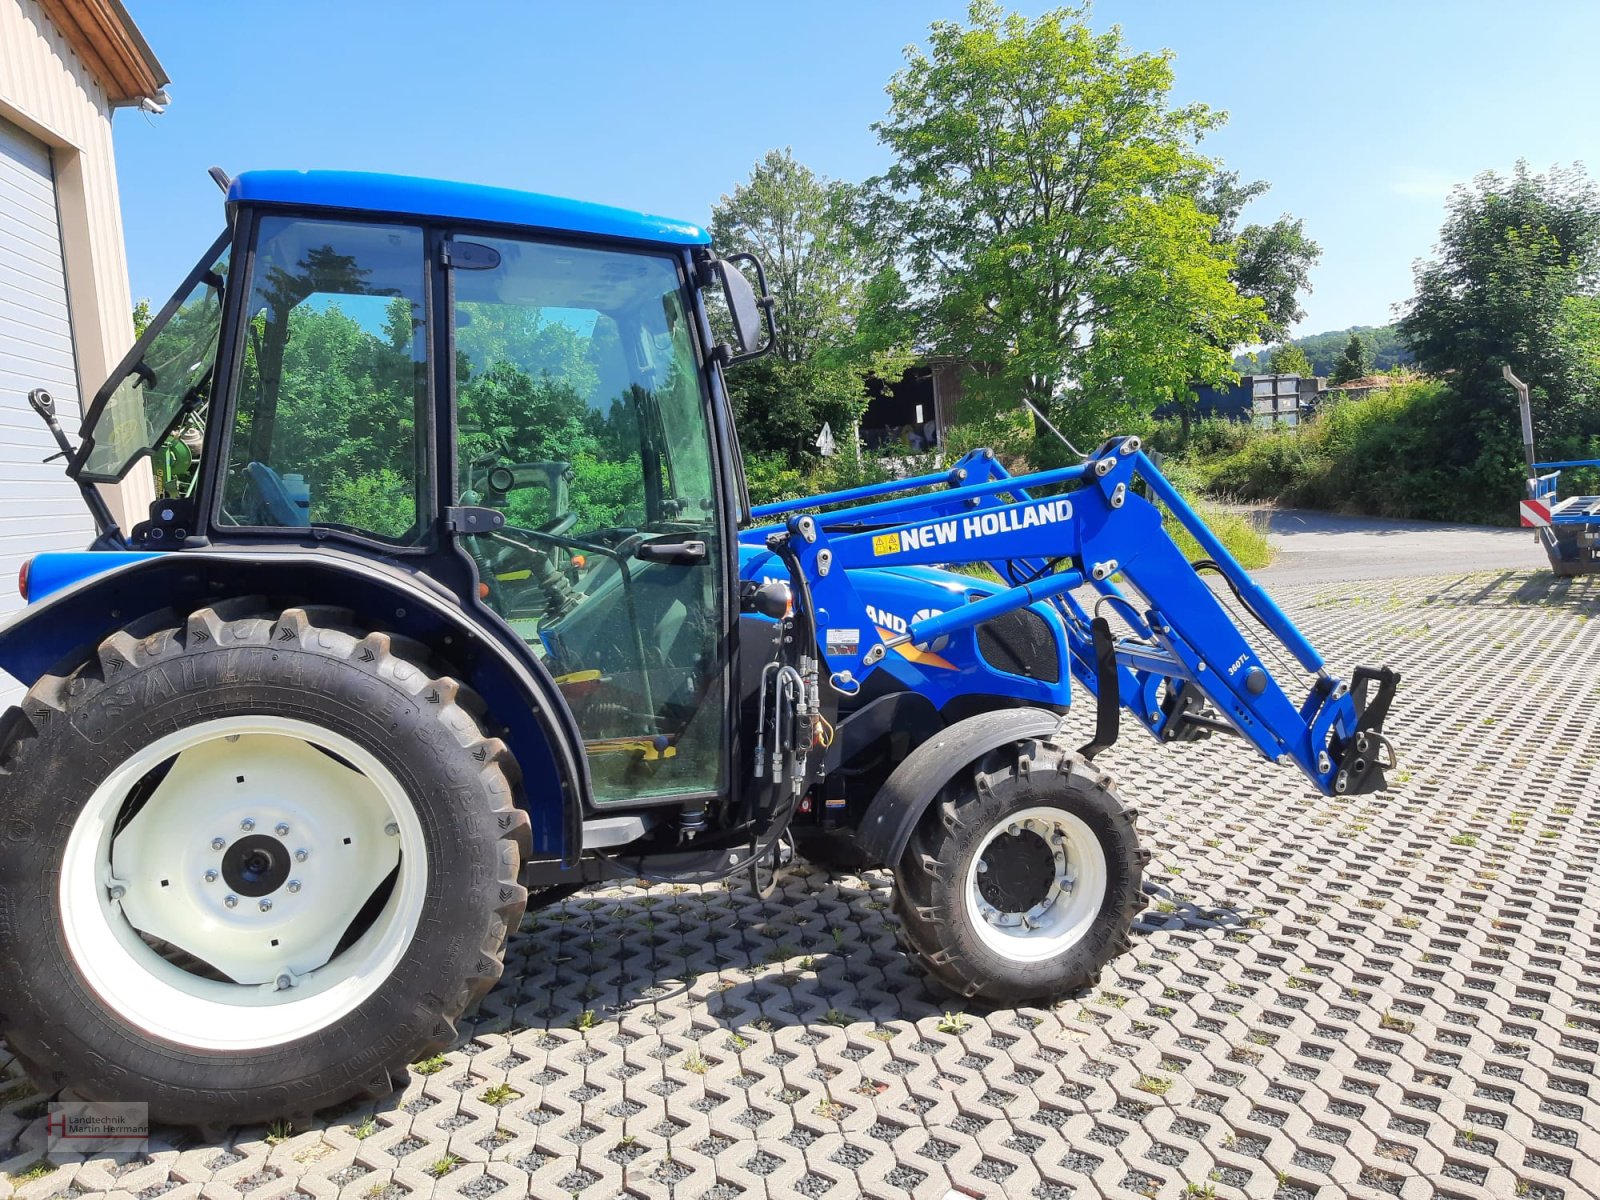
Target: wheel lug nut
<point>266,906</point>
<point>211,876</point>
<point>231,901</point>
<point>247,824</point>
<point>294,885</point>
<point>118,893</point>
<point>300,856</point>
<point>282,830</point>
<point>983,867</point>
<point>218,843</point>
<point>392,829</point>
<point>284,983</point>
<point>1015,831</point>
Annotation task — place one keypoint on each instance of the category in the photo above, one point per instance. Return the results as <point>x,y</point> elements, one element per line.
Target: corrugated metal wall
<point>47,91</point>
<point>39,508</point>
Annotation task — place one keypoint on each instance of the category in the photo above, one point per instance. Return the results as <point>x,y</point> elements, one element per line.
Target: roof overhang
<point>104,36</point>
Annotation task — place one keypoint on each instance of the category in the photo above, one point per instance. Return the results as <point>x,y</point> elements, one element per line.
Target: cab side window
<point>331,415</point>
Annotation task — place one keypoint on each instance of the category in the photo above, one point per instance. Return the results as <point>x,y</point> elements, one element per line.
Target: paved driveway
<point>1318,547</point>
<point>1387,995</point>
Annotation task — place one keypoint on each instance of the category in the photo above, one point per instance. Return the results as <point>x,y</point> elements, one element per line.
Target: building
<point>65,311</point>
<point>1263,399</point>
<point>913,411</point>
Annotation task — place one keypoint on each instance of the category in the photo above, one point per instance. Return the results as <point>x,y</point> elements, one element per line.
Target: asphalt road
<point>1318,547</point>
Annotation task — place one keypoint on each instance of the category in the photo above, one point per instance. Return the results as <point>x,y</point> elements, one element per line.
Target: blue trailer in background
<point>1568,529</point>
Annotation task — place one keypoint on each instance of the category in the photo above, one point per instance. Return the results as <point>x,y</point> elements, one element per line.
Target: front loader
<point>461,606</point>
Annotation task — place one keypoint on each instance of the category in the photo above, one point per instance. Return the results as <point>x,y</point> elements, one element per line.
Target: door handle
<point>678,553</point>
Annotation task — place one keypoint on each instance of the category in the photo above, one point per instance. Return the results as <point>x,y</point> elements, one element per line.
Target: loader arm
<point>1181,667</point>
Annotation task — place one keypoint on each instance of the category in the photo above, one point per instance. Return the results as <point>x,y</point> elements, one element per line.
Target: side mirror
<point>751,315</point>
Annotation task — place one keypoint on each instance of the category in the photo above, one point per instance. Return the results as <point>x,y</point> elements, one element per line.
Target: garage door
<point>39,508</point>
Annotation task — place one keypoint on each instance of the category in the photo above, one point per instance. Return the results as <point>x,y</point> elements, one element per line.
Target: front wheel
<point>252,864</point>
<point>1023,877</point>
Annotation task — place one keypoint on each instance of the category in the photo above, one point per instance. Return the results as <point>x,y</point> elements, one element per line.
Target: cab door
<point>581,416</point>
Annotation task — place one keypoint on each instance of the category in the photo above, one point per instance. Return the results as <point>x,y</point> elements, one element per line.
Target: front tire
<point>1022,879</point>
<point>251,865</point>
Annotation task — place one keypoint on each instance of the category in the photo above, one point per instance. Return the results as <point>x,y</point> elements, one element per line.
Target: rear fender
<point>61,629</point>
<point>900,803</point>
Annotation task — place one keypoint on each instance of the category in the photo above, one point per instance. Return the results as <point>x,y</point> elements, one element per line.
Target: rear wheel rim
<point>1053,889</point>
<point>243,883</point>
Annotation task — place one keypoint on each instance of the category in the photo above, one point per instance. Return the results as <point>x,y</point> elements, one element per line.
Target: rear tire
<point>368,840</point>
<point>1022,879</point>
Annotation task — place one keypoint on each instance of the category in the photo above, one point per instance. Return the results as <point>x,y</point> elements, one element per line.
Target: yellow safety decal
<point>578,677</point>
<point>886,543</point>
<point>510,575</point>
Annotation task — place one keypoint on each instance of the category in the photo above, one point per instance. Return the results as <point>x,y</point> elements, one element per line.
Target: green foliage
<point>1354,362</point>
<point>800,224</point>
<point>1272,263</point>
<point>1045,198</point>
<point>1289,359</point>
<point>770,477</point>
<point>142,316</point>
<point>1412,450</point>
<point>1513,255</point>
<point>1323,349</point>
<point>835,308</point>
<point>346,404</point>
<point>779,407</point>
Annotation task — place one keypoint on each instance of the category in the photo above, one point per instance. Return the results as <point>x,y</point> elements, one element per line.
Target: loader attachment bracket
<point>1362,759</point>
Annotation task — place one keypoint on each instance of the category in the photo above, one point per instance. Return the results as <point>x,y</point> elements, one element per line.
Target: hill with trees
<point>1324,350</point>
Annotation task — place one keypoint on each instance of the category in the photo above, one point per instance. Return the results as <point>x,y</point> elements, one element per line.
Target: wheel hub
<point>254,854</point>
<point>257,865</point>
<point>1036,882</point>
<point>1017,870</point>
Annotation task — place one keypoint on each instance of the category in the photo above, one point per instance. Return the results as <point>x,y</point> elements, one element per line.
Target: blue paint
<point>49,573</point>
<point>1051,542</point>
<point>403,195</point>
<point>951,668</point>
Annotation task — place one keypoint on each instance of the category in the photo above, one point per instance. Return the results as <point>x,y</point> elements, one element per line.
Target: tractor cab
<point>518,396</point>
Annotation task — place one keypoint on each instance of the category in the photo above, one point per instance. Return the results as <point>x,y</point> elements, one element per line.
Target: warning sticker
<point>886,543</point>
<point>844,641</point>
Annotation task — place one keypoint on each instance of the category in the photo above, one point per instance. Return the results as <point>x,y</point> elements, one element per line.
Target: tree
<point>1271,262</point>
<point>1354,362</point>
<point>820,269</point>
<point>1511,256</point>
<point>1289,359</point>
<point>1044,201</point>
<point>799,224</point>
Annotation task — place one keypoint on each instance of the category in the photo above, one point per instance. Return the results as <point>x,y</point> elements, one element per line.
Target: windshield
<point>165,375</point>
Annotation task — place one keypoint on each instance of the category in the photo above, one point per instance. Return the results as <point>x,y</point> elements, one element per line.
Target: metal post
<point>1527,418</point>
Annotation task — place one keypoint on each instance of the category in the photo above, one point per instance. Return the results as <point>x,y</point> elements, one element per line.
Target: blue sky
<point>1361,115</point>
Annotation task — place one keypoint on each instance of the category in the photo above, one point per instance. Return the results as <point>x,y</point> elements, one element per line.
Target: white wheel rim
<point>1067,907</point>
<point>266,778</point>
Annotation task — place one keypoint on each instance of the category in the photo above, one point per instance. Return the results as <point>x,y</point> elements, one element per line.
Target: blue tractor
<point>452,602</point>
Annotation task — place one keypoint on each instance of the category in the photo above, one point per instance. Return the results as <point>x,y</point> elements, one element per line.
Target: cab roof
<point>438,198</point>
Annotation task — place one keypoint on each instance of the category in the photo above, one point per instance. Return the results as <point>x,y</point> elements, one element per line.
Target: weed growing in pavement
<point>953,1022</point>
<point>430,1066</point>
<point>499,1094</point>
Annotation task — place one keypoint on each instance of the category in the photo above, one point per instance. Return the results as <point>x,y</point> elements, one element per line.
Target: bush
<point>1412,450</point>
